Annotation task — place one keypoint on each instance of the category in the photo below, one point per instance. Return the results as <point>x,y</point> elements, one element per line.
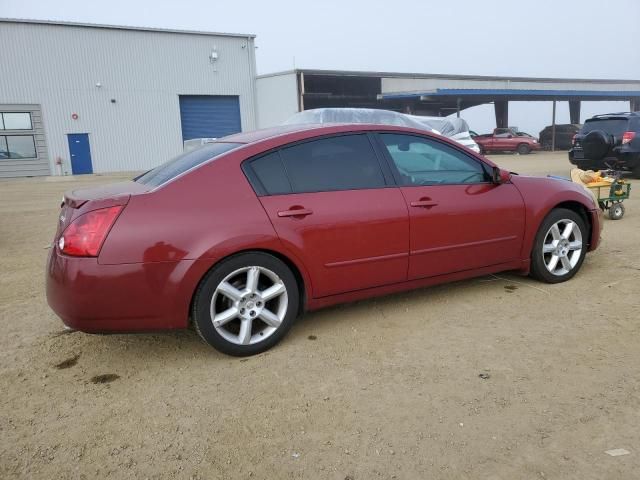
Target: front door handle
<point>295,212</point>
<point>424,203</point>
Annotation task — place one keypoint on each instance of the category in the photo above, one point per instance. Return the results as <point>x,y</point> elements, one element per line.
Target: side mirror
<point>498,175</point>
<point>509,136</point>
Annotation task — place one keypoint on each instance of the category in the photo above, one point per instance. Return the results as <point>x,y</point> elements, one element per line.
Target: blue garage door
<point>209,116</point>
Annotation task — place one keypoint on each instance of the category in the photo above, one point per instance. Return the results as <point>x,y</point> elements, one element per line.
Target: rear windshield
<point>613,126</point>
<point>184,162</point>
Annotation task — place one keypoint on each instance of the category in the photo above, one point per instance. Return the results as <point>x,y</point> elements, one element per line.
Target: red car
<point>506,140</point>
<point>242,235</point>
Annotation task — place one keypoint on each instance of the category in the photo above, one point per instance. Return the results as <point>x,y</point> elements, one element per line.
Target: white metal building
<point>105,98</point>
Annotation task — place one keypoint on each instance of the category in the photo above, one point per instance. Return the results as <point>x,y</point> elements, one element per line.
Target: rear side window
<point>184,162</point>
<point>613,126</point>
<point>270,173</point>
<point>335,163</point>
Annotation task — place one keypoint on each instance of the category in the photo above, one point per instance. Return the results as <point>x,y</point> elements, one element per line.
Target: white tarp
<point>454,128</point>
<point>355,115</point>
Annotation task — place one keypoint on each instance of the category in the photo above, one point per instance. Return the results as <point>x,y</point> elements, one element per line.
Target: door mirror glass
<point>498,175</point>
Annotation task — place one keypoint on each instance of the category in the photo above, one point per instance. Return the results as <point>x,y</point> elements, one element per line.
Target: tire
<point>523,149</point>
<point>616,211</point>
<point>557,244</point>
<point>250,323</point>
<point>596,144</point>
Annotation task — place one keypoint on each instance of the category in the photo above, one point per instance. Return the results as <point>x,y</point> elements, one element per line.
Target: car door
<point>459,219</point>
<point>502,141</point>
<point>334,205</point>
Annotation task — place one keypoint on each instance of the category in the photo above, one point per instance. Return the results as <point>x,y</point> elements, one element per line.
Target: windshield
<point>184,162</point>
<point>613,126</point>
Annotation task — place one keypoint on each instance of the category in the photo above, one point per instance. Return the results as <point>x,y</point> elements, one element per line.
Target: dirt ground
<point>492,378</point>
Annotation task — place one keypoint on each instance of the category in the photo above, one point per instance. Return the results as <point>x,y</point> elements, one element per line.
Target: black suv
<point>611,139</point>
<point>564,136</point>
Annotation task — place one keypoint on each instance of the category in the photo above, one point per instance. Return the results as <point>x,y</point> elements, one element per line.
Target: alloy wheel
<point>562,247</point>
<point>249,305</point>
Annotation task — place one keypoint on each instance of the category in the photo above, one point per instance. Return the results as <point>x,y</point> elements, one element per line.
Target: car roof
<point>604,116</point>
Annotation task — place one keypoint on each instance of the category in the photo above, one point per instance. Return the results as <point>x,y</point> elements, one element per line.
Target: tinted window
<point>270,173</point>
<point>614,126</point>
<point>184,162</point>
<point>421,161</point>
<point>335,163</point>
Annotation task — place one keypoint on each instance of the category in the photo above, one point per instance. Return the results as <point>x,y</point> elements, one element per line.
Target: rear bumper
<point>97,298</point>
<point>628,159</point>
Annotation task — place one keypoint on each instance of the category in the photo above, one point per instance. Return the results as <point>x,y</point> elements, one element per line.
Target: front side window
<point>345,162</point>
<point>17,147</point>
<point>422,161</point>
<point>16,121</point>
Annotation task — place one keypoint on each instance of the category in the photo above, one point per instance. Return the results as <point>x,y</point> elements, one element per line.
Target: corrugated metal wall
<point>277,98</point>
<point>133,116</point>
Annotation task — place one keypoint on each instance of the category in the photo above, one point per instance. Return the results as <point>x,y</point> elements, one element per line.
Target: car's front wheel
<point>246,304</point>
<point>523,149</point>
<point>559,247</point>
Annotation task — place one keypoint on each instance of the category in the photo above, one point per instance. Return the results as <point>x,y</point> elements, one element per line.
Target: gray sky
<point>561,38</point>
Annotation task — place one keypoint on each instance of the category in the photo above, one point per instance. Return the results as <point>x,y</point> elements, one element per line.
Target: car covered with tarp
<point>453,128</point>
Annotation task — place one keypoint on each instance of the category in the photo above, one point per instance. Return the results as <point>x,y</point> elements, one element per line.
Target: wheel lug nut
<point>242,310</point>
<point>259,304</point>
<point>252,313</point>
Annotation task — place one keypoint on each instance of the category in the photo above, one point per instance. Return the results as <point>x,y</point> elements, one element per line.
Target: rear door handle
<point>295,212</point>
<point>424,203</point>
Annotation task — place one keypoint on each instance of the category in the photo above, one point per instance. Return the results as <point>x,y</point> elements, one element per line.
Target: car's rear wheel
<point>246,304</point>
<point>523,149</point>
<point>559,247</point>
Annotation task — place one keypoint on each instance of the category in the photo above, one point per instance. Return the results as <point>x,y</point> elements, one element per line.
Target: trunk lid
<point>82,200</point>
<point>77,198</point>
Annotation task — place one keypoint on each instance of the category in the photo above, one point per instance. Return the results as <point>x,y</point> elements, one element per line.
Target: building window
<point>17,146</point>
<point>16,121</point>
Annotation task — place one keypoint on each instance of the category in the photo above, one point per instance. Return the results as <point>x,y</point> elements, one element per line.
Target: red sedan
<point>241,236</point>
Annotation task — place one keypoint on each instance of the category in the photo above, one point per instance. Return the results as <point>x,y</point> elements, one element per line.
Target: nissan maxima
<point>241,236</point>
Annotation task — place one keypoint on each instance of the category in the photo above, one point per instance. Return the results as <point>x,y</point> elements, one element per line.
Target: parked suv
<point>564,136</point>
<point>613,138</point>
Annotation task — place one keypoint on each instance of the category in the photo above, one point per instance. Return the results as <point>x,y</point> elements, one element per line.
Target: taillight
<point>627,137</point>
<point>85,235</point>
<point>573,139</point>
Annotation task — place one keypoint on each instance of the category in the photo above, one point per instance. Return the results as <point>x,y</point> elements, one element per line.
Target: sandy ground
<point>386,388</point>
